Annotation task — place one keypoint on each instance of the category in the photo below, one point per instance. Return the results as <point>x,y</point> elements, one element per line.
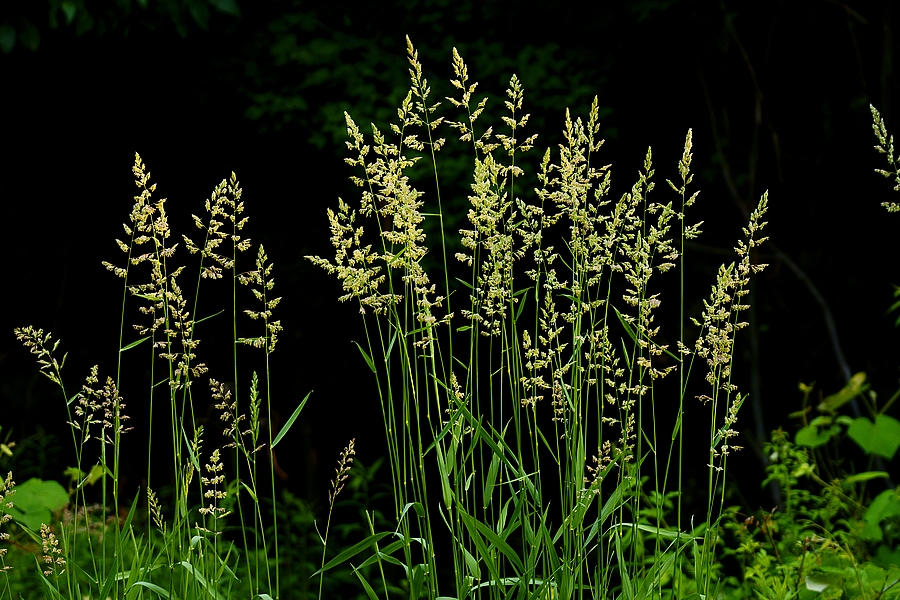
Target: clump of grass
<point>182,553</point>
<point>523,400</point>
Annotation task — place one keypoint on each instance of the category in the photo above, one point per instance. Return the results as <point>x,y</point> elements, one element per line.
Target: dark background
<point>777,94</point>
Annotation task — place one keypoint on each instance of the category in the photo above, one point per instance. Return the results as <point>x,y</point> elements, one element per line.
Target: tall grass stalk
<point>523,425</point>
<point>184,552</point>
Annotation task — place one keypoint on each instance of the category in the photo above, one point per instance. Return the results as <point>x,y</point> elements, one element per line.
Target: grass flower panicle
<point>52,553</point>
<point>7,490</point>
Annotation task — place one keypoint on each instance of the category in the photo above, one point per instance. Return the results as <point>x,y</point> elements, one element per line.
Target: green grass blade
<point>368,358</point>
<point>353,551</point>
<point>133,344</point>
<point>162,593</point>
<point>368,588</point>
<point>290,421</point>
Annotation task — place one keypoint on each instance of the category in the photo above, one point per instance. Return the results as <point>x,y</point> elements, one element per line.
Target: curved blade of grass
<point>368,588</point>
<point>366,356</point>
<point>491,480</point>
<point>627,588</point>
<point>480,545</point>
<point>162,593</point>
<point>445,477</point>
<point>133,344</point>
<point>290,421</point>
<point>201,580</point>
<point>383,554</point>
<point>353,551</point>
<point>208,317</point>
<point>250,491</point>
<point>494,539</point>
<point>416,581</point>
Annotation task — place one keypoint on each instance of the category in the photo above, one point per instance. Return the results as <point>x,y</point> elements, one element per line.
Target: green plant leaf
<point>494,539</point>
<point>368,588</point>
<point>854,387</point>
<point>416,580</point>
<point>886,557</point>
<point>198,321</point>
<point>881,437</point>
<point>867,476</point>
<point>199,578</point>
<point>811,437</point>
<point>34,501</point>
<point>162,593</point>
<point>445,477</point>
<point>886,504</point>
<point>366,357</point>
<point>291,420</point>
<point>491,479</point>
<point>133,344</point>
<point>353,551</point>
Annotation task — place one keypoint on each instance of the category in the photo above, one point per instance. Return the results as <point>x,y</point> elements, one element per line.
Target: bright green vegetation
<point>534,406</point>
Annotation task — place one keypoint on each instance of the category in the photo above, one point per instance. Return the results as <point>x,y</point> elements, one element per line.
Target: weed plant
<point>523,408</point>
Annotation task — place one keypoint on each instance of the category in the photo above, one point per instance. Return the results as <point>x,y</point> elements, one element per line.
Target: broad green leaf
<point>886,504</point>
<point>811,437</point>
<point>34,501</point>
<point>881,437</point>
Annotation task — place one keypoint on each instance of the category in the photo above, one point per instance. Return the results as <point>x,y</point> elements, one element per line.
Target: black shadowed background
<point>777,94</point>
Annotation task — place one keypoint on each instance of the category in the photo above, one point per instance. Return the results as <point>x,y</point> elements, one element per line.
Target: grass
<point>535,395</point>
<point>184,550</point>
<point>531,384</point>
